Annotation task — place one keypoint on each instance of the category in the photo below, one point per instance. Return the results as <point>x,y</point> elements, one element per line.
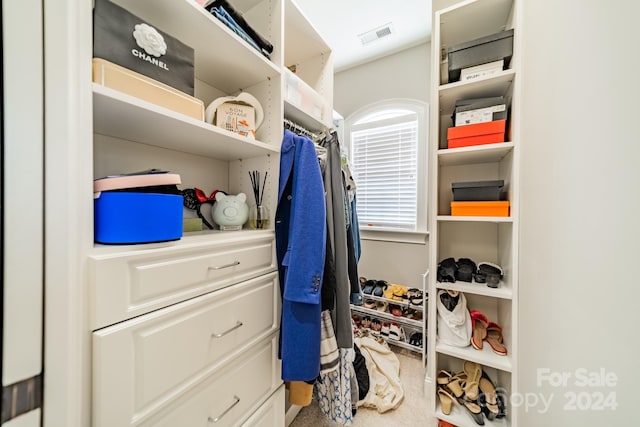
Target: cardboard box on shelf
<point>480,208</point>
<point>476,134</point>
<point>480,71</point>
<point>477,190</point>
<point>135,84</point>
<point>238,118</point>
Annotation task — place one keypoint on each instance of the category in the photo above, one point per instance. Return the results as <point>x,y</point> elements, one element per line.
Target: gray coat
<point>337,234</point>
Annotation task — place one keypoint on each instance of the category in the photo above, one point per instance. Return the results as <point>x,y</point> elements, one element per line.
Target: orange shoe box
<point>476,134</point>
<point>499,208</point>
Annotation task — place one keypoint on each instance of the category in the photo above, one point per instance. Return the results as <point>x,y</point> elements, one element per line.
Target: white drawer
<point>229,397</point>
<point>143,364</point>
<point>271,413</point>
<point>128,283</point>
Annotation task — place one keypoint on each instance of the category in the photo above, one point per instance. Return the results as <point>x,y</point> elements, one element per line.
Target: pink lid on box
<point>133,181</point>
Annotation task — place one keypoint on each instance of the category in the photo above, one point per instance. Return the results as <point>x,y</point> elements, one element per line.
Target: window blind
<point>384,156</point>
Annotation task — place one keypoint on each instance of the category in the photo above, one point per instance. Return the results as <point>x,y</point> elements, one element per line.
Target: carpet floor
<point>411,412</point>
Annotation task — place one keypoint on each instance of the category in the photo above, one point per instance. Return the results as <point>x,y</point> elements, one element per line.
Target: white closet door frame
<point>23,193</point>
<point>68,211</point>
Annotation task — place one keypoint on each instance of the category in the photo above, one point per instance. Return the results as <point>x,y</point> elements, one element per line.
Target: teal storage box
<point>137,215</point>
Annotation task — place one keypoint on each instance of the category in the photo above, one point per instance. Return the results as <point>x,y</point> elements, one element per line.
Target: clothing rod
<point>295,127</point>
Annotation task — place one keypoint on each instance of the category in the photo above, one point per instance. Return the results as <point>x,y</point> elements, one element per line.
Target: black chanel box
<point>126,40</point>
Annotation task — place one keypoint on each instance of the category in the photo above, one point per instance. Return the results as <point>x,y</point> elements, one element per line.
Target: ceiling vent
<point>376,34</point>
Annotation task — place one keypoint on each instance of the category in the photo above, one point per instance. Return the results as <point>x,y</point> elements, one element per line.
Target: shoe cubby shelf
<point>496,85</point>
<point>388,316</point>
<point>502,291</point>
<point>485,357</point>
<point>469,19</point>
<point>488,153</point>
<point>395,302</point>
<point>460,418</point>
<point>119,115</point>
<point>489,238</point>
<point>495,219</point>
<point>403,344</point>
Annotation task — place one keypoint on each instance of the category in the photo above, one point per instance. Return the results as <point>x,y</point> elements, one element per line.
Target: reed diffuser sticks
<point>261,213</point>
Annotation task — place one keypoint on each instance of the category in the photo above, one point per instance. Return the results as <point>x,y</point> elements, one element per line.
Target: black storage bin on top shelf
<point>477,190</point>
<point>480,51</point>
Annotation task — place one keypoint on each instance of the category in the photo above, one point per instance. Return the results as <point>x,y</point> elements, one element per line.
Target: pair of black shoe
<point>466,270</point>
<point>491,402</point>
<point>373,287</point>
<point>416,339</point>
<point>492,399</point>
<point>450,270</point>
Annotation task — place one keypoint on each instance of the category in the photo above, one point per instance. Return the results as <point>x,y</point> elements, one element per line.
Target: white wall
<point>579,284</point>
<point>402,75</point>
<point>405,74</point>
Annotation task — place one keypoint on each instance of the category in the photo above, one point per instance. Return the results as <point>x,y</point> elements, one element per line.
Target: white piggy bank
<point>230,212</point>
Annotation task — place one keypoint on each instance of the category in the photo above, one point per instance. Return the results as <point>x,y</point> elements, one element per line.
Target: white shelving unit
<point>493,239</point>
<point>96,131</point>
<point>409,325</point>
<point>171,130</point>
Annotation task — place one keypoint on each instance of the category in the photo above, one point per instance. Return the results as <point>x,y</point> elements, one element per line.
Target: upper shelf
<point>461,23</point>
<point>301,117</point>
<point>123,116</point>
<point>222,59</point>
<point>494,85</point>
<point>303,104</point>
<point>504,291</point>
<point>486,153</point>
<point>302,41</point>
<point>485,357</point>
<point>461,218</point>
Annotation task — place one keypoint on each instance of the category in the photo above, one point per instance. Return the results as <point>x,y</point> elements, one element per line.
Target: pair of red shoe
<point>483,330</point>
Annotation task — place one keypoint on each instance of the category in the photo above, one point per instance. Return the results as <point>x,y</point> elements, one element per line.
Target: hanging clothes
<point>333,390</point>
<point>300,248</point>
<point>337,217</point>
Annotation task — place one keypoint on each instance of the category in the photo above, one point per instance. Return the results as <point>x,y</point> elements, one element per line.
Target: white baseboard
<point>291,413</point>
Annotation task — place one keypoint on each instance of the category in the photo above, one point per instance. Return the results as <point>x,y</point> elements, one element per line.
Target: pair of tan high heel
<point>462,388</point>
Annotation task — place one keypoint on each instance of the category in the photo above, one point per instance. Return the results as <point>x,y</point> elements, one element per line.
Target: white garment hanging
<point>454,327</point>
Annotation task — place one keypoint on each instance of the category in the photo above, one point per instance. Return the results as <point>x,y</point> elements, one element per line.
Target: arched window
<point>388,154</point>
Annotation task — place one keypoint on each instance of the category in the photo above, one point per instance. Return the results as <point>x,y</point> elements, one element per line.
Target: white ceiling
<point>340,22</point>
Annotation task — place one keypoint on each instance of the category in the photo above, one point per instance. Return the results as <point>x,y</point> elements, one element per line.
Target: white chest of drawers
<point>207,355</point>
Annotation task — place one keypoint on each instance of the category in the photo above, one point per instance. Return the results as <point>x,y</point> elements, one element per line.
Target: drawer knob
<point>216,419</point>
<point>232,264</point>
<point>221,334</point>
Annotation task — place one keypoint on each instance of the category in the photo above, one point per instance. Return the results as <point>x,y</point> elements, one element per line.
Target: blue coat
<point>300,246</point>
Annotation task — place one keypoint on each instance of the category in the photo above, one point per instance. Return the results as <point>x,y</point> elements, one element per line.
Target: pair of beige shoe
<point>465,388</point>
